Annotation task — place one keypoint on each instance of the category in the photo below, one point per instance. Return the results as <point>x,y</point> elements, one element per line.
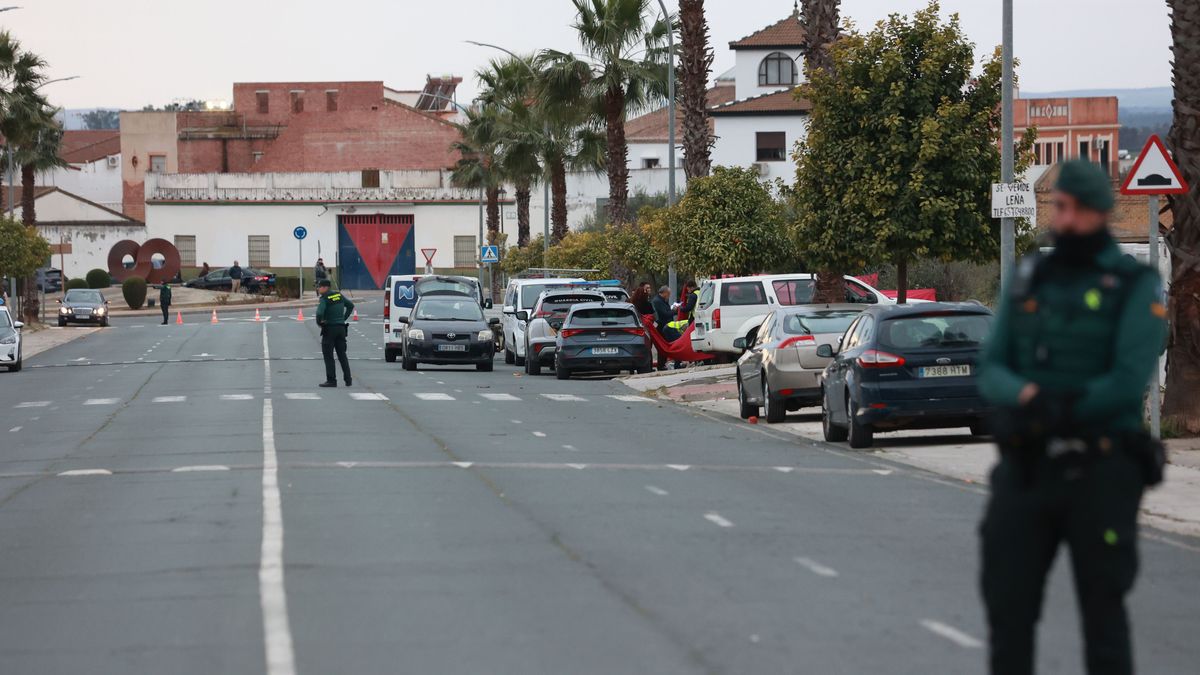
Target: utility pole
<point>672,279</point>
<point>1007,225</point>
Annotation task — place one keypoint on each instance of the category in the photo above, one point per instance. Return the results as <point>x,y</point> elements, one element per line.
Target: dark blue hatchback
<point>905,367</point>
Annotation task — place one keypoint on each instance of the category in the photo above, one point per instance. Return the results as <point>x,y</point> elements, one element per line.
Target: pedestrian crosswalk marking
<point>102,401</point>
<point>33,404</point>
<point>368,397</point>
<point>86,472</point>
<point>169,399</point>
<point>433,396</point>
<point>628,398</point>
<point>302,396</point>
<point>500,397</point>
<point>564,397</point>
<point>237,397</point>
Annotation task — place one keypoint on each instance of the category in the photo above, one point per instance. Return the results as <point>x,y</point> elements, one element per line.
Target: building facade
<point>93,167</point>
<point>80,232</point>
<point>1070,128</point>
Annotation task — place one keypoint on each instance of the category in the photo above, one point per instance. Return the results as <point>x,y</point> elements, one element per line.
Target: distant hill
<point>1150,97</point>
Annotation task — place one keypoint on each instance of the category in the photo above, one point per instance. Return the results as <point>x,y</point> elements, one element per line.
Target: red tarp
<point>929,294</point>
<point>679,350</point>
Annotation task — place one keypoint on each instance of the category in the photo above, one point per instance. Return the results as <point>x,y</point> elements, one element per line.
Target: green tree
<point>695,66</point>
<point>903,145</point>
<point>102,119</point>
<point>508,87</point>
<point>22,249</point>
<point>729,222</point>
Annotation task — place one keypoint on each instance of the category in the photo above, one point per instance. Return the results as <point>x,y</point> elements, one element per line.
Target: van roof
<point>542,280</point>
<point>762,277</point>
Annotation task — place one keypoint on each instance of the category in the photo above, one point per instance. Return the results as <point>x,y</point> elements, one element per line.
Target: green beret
<point>1086,182</point>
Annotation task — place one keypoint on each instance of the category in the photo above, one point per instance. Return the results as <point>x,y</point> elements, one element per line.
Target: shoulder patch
<point>335,297</point>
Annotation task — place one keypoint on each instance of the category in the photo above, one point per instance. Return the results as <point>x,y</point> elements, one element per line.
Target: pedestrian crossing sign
<point>489,254</point>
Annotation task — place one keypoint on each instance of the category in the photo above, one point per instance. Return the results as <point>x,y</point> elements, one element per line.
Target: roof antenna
<point>796,8</point>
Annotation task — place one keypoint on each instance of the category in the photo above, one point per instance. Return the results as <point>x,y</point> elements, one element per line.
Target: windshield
<point>433,284</point>
<point>448,309</point>
<point>530,293</point>
<point>559,305</point>
<point>818,323</point>
<point>83,296</point>
<point>935,330</point>
<point>604,316</point>
<point>5,322</point>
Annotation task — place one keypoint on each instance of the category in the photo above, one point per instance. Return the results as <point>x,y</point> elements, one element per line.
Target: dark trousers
<point>166,309</point>
<point>1092,505</point>
<point>333,338</point>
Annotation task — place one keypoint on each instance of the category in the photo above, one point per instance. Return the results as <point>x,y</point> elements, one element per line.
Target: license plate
<point>398,333</point>
<point>605,351</point>
<point>452,348</point>
<point>963,370</point>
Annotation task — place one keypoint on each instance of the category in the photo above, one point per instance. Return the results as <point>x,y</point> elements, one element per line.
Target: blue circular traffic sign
<point>300,232</point>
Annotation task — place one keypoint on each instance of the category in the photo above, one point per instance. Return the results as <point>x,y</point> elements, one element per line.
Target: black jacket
<point>235,272</point>
<point>662,312</point>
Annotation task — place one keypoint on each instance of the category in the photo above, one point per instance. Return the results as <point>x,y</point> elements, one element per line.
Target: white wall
<point>90,244</point>
<point>737,143</point>
<point>95,181</point>
<point>745,71</point>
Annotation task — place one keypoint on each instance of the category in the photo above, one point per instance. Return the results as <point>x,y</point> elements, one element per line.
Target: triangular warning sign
<point>1154,173</point>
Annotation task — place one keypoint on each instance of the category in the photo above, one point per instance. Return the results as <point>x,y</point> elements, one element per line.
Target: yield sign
<point>1154,173</point>
<point>428,253</point>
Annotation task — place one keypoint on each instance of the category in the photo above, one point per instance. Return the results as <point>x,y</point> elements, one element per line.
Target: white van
<point>400,295</point>
<point>520,296</point>
<point>728,308</point>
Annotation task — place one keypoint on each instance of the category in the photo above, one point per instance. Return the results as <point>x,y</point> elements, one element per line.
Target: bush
<point>134,290</point>
<point>75,283</point>
<point>98,278</point>
<point>287,287</point>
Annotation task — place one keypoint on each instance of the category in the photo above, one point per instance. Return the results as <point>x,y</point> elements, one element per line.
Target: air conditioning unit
<point>762,168</point>
<point>114,161</point>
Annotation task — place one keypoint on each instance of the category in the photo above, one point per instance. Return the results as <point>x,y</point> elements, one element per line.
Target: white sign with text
<point>1014,200</point>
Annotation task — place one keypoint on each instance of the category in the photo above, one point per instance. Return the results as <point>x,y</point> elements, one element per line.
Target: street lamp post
<point>1007,225</point>
<point>672,281</point>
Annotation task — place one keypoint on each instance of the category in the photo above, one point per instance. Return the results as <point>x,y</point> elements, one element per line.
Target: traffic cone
<point>355,317</point>
<point>300,314</point>
<point>179,318</point>
<point>257,315</point>
<point>214,317</point>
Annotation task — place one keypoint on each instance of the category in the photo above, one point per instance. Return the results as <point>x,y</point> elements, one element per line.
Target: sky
<point>128,53</point>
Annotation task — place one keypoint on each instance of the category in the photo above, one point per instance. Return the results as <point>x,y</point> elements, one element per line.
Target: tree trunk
<point>830,287</point>
<point>695,65</point>
<point>558,198</point>
<point>30,304</point>
<point>1181,406</point>
<point>820,19</point>
<point>493,215</point>
<point>618,155</point>
<point>902,281</point>
<point>523,195</point>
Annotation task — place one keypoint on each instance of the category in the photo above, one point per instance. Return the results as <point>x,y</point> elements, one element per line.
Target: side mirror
<point>487,304</point>
<point>508,309</point>
<point>739,343</point>
<point>825,351</point>
<point>402,319</point>
<point>18,325</point>
<point>522,315</point>
<point>493,322</point>
<point>59,301</point>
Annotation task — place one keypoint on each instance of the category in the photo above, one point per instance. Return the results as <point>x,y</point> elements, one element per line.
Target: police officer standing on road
<point>332,312</point>
<point>1076,338</point>
<point>164,300</point>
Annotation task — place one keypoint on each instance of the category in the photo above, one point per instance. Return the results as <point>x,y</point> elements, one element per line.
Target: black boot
<point>328,384</point>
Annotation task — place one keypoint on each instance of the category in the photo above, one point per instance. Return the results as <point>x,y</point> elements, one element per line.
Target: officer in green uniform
<point>332,312</point>
<point>1077,336</point>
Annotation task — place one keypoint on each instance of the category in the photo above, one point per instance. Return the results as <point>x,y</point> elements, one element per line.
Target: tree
<point>899,171</point>
<point>729,222</point>
<point>624,70</point>
<point>508,87</point>
<point>478,168</point>
<point>695,65</point>
<point>102,119</point>
<point>22,249</point>
<point>1181,406</point>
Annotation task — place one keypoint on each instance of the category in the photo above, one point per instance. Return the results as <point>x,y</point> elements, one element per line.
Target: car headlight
<point>416,334</point>
<point>486,336</point>
<point>9,339</point>
<point>64,310</point>
<point>101,310</point>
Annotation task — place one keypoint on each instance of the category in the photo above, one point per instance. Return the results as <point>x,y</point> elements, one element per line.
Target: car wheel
<point>532,366</point>
<point>773,407</point>
<point>647,367</point>
<point>104,323</point>
<point>518,359</point>
<point>745,410</point>
<point>389,355</point>
<point>860,435</point>
<point>485,367</point>
<point>561,372</point>
<point>62,323</point>
<point>832,432</point>
<point>409,364</point>
<point>509,357</point>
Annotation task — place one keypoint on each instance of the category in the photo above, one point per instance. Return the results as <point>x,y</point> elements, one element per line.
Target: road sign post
<point>300,233</point>
<point>429,253</point>
<point>1153,174</point>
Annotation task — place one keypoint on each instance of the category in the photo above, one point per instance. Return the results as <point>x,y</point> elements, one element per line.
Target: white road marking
<point>347,465</point>
<point>679,467</point>
<point>32,404</point>
<point>562,398</point>
<point>86,472</point>
<point>199,468</point>
<point>277,634</point>
<point>14,430</point>
<point>440,382</point>
<point>952,634</point>
<point>629,398</point>
<point>102,401</point>
<point>717,519</point>
<point>657,491</point>
<point>302,396</point>
<point>882,472</point>
<point>500,397</point>
<point>368,397</point>
<point>578,466</point>
<point>816,567</point>
<point>570,447</point>
<point>463,465</point>
<point>169,399</point>
<point>539,434</point>
<point>516,421</point>
<point>237,397</point>
<point>433,396</point>
<point>785,469</point>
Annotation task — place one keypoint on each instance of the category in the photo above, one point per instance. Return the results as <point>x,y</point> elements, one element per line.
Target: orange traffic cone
<point>179,318</point>
<point>214,317</point>
<point>257,315</point>
<point>300,314</point>
<point>355,317</point>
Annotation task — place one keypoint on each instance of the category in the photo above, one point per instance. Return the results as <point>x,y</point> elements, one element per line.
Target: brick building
<point>1070,128</point>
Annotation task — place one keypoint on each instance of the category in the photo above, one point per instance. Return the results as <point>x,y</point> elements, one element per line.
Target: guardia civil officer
<point>333,310</point>
<point>1077,336</point>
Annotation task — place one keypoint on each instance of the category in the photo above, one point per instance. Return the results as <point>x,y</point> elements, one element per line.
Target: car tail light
<point>570,332</point>
<point>387,305</point>
<point>873,358</point>
<point>799,341</point>
<point>716,318</point>
<point>640,332</point>
<point>537,348</point>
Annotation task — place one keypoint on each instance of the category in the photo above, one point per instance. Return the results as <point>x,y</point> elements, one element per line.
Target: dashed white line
<point>564,397</point>
<point>539,434</point>
<point>302,396</point>
<point>14,430</point>
<point>882,472</point>
<point>169,399</point>
<point>86,472</point>
<point>816,567</point>
<point>237,397</point>
<point>32,404</point>
<point>368,397</point>
<point>679,467</point>
<point>717,519</point>
<point>952,634</point>
<point>570,447</point>
<point>200,468</point>
<point>102,401</point>
<point>785,469</point>
<point>655,490</point>
<point>463,465</point>
<point>629,398</point>
<point>500,397</point>
<point>433,396</point>
<point>516,421</point>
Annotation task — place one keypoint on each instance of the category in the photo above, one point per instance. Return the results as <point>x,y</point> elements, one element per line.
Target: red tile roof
<point>653,127</point>
<point>81,147</point>
<point>779,103</point>
<point>785,34</point>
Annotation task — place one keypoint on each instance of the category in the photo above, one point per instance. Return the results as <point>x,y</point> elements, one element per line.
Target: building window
<point>257,155</point>
<point>1084,152</point>
<point>772,146</point>
<point>370,178</point>
<point>263,101</point>
<point>186,243</point>
<point>331,100</point>
<point>158,164</point>
<point>777,69</point>
<point>297,101</point>
<point>260,250</point>
<point>650,163</point>
<point>1061,153</point>
<point>464,251</point>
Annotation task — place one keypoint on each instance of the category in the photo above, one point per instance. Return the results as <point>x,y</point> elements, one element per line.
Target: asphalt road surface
<point>183,499</point>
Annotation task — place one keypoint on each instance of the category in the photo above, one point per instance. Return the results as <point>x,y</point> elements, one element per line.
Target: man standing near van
<point>332,312</point>
<point>235,276</point>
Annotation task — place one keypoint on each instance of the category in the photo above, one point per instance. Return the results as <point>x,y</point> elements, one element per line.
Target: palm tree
<point>478,166</point>
<point>1181,407</point>
<point>820,20</point>
<point>695,64</point>
<point>36,136</point>
<point>623,70</point>
<point>509,87</point>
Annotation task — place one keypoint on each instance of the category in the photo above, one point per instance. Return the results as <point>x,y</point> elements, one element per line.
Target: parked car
<point>253,281</point>
<point>543,323</point>
<point>400,294</point>
<point>49,279</point>
<point>448,328</point>
<point>83,305</point>
<point>780,370</point>
<point>602,336</point>
<point>10,341</point>
<point>522,295</point>
<point>728,308</point>
<point>905,367</point>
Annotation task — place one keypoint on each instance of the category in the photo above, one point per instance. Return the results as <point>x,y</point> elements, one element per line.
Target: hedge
<point>73,284</point>
<point>134,290</point>
<point>98,278</point>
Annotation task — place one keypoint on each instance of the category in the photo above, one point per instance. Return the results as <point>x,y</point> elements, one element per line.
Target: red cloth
<point>679,350</point>
<point>929,294</point>
<point>869,279</point>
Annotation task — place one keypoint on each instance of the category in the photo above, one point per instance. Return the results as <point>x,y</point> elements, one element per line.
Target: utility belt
<point>1025,446</point>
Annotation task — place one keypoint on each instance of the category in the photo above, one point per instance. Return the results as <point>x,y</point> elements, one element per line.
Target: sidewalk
<point>1173,506</point>
<point>35,340</point>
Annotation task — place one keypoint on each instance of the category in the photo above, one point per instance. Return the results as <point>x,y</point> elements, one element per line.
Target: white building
<point>93,169</point>
<point>80,232</point>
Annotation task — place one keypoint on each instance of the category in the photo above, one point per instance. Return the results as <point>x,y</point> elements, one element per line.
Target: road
<point>184,499</point>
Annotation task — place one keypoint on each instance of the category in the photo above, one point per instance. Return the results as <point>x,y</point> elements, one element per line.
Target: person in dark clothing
<point>333,311</point>
<point>687,309</point>
<point>164,301</point>
<point>235,276</point>
<point>663,315</point>
<point>204,270</point>
<point>641,299</point>
<point>320,273</point>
